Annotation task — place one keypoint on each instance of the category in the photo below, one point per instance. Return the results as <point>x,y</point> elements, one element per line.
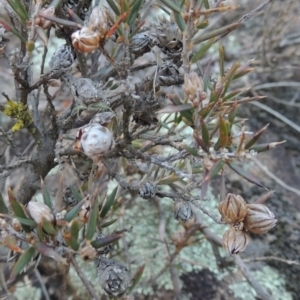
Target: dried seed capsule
<point>95,140</point>
<point>147,189</point>
<point>114,277</point>
<point>140,44</point>
<point>39,212</point>
<point>84,90</point>
<point>259,219</point>
<point>99,21</point>
<point>168,35</point>
<point>85,40</point>
<point>62,58</point>
<point>233,209</point>
<point>183,211</point>
<point>235,241</point>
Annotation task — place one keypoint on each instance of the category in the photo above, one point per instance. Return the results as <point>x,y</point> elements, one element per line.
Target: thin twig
<point>43,287</point>
<point>274,258</point>
<point>246,17</point>
<point>274,177</point>
<point>84,280</point>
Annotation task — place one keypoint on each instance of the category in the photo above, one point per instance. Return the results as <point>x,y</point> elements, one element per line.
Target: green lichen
<point>20,112</point>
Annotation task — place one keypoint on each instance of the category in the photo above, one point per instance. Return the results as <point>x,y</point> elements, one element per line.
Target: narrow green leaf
<point>221,60</point>
<point>107,224</point>
<point>19,212</point>
<point>134,11</point>
<point>77,196</point>
<point>245,175</point>
<point>199,38</point>
<point>23,260</point>
<point>27,222</point>
<point>108,203</point>
<point>180,22</point>
<point>48,251</point>
<point>75,229</point>
<point>227,79</point>
<point>256,137</point>
<point>223,133</point>
<point>46,195</point>
<point>170,4</point>
<point>265,147</point>
<point>74,211</point>
<point>3,207</point>
<point>10,28</point>
<point>190,150</point>
<point>48,227</point>
<point>203,49</point>
<point>200,142</point>
<point>232,114</point>
<point>206,4</point>
<point>92,222</point>
<point>18,7</point>
<point>114,7</point>
<point>106,240</point>
<point>205,133</point>
<point>136,278</point>
<point>217,167</point>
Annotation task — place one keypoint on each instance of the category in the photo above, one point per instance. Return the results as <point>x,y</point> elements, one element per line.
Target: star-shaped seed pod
<point>62,58</point>
<point>114,278</point>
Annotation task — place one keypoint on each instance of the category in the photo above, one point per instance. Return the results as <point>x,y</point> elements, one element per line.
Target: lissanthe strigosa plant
<point>128,97</point>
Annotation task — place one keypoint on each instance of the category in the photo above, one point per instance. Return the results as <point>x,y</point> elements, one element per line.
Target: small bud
<point>85,211</point>
<point>147,190</point>
<point>42,22</point>
<point>99,21</point>
<point>16,225</point>
<point>183,211</point>
<point>39,212</point>
<point>88,253</point>
<point>85,40</point>
<point>114,278</point>
<point>62,58</point>
<point>3,223</point>
<point>235,241</point>
<point>259,219</point>
<point>193,85</point>
<point>233,209</point>
<point>95,140</point>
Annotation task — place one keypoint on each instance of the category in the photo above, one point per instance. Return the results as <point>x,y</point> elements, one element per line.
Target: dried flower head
<point>42,22</point>
<point>39,212</point>
<point>140,44</point>
<point>259,219</point>
<point>95,140</point>
<point>168,35</point>
<point>62,58</point>
<point>84,212</point>
<point>183,211</point>
<point>233,209</point>
<point>193,86</point>
<point>85,40</point>
<point>114,277</point>
<point>235,241</point>
<point>88,253</point>
<point>147,189</point>
<point>99,21</point>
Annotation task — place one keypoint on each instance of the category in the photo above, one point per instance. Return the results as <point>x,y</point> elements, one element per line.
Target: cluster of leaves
<point>202,126</point>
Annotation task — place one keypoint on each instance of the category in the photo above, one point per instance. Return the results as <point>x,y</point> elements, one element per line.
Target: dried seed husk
<point>235,241</point>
